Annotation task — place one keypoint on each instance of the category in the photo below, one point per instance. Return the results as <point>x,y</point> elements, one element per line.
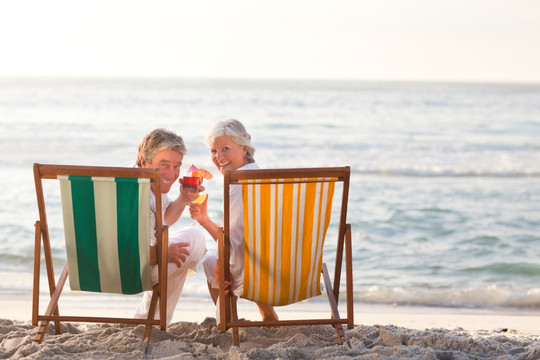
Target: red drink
<point>191,183</point>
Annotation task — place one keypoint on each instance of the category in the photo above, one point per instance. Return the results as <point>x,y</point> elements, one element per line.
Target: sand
<point>383,332</point>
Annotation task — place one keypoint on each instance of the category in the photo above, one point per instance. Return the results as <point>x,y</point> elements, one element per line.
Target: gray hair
<point>236,130</point>
<point>158,140</point>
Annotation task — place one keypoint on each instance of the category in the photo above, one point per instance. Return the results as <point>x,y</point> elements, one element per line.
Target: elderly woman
<point>231,149</point>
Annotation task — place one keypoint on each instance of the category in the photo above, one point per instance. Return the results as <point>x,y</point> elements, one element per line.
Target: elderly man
<point>164,149</point>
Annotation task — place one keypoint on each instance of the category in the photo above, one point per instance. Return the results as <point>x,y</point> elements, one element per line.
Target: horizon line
<point>244,78</point>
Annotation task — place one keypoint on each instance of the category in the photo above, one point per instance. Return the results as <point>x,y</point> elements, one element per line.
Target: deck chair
<point>286,216</point>
<point>107,225</point>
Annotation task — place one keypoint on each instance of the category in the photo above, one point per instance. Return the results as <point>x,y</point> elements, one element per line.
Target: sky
<point>389,40</point>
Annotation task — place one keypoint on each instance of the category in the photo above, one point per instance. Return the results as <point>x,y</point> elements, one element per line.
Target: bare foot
<point>267,312</point>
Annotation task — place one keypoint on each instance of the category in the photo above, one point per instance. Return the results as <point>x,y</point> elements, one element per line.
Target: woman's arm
<point>199,213</point>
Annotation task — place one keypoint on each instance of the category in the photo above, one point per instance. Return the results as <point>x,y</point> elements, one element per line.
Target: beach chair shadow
<point>107,227</point>
<point>286,215</point>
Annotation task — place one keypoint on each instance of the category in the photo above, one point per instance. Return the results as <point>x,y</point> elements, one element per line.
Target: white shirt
<point>236,219</point>
<point>165,202</point>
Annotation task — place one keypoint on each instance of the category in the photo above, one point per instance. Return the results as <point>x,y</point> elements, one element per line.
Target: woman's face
<point>228,155</point>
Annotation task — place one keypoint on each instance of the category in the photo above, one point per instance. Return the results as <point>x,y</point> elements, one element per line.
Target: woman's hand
<point>199,211</point>
<point>229,285</point>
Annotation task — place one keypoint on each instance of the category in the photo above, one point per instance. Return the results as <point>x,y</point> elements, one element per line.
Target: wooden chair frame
<point>41,172</point>
<point>228,301</point>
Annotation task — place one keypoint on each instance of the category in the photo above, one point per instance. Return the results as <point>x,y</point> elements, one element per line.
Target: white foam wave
<point>482,296</point>
<point>447,172</point>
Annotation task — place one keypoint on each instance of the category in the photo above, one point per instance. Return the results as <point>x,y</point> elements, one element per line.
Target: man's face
<point>169,161</point>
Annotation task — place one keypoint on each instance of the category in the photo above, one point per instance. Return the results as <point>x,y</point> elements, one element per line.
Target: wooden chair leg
<point>333,304</point>
<point>234,316</point>
<point>162,288</point>
<point>53,286</point>
<point>349,276</point>
<point>41,332</point>
<point>224,300</point>
<point>37,268</point>
<point>151,313</point>
<point>53,307</point>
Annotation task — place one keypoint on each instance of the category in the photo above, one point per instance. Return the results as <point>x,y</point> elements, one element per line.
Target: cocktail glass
<point>191,183</point>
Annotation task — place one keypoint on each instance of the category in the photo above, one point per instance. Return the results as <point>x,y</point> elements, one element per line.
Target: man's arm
<point>175,210</point>
<point>176,207</point>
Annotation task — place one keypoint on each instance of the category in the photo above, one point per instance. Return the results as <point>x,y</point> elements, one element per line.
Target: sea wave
<point>524,269</point>
<point>437,172</point>
<point>480,296</point>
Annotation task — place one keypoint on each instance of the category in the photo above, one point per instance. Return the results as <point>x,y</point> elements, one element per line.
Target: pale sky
<point>418,40</point>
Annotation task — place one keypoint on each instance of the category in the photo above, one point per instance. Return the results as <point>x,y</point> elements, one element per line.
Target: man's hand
<point>186,195</point>
<point>178,253</point>
<point>176,208</point>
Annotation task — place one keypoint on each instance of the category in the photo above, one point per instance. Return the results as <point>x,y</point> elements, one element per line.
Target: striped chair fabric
<point>284,238</point>
<point>107,232</point>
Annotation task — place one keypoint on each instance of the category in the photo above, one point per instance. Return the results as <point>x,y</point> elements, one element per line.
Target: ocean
<point>445,185</point>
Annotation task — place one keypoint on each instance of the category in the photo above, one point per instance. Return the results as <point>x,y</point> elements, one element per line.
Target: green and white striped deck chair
<point>286,216</point>
<point>106,217</point>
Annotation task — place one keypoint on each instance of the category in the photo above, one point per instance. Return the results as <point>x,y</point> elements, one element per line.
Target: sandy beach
<point>382,332</point>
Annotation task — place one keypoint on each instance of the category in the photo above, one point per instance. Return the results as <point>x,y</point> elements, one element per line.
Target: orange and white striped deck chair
<point>286,216</point>
<point>107,227</point>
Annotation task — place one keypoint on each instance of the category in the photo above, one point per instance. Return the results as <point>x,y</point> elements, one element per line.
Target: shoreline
<point>524,321</point>
<point>380,332</point>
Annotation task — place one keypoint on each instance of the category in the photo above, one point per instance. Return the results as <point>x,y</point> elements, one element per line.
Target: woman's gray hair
<point>158,140</point>
<point>236,130</point>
